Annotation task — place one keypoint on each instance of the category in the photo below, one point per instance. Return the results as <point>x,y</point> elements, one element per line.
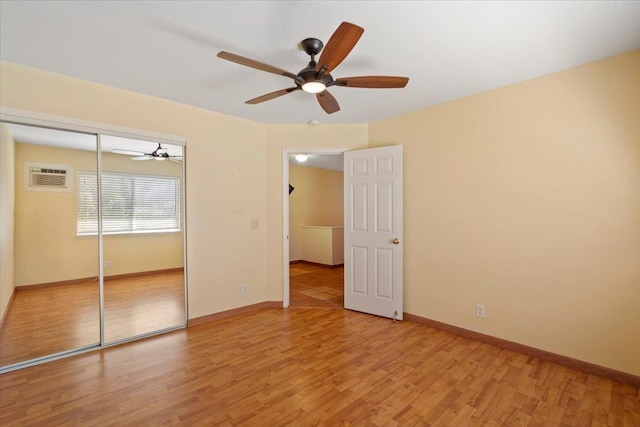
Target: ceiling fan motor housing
<point>310,73</point>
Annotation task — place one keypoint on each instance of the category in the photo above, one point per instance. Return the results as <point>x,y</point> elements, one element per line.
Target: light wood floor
<point>311,366</point>
<point>313,285</point>
<point>58,318</point>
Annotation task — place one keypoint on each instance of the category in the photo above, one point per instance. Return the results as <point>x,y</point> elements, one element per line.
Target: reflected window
<point>131,203</point>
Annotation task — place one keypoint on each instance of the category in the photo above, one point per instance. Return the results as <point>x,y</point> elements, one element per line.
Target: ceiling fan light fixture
<point>316,76</point>
<point>301,157</point>
<point>313,87</point>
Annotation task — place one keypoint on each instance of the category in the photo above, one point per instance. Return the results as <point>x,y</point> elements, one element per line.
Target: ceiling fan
<point>316,77</point>
<point>159,153</point>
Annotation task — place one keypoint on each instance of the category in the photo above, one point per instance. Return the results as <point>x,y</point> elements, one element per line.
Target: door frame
<point>65,123</point>
<point>286,152</point>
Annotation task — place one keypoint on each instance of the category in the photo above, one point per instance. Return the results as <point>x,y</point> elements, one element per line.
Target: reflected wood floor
<point>311,366</point>
<point>58,318</point>
<point>313,285</point>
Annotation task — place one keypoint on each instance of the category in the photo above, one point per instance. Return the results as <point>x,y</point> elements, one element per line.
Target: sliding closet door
<point>143,240</point>
<point>50,265</point>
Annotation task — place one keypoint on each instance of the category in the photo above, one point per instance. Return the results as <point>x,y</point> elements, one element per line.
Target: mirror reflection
<point>50,258</point>
<point>50,290</point>
<point>142,228</point>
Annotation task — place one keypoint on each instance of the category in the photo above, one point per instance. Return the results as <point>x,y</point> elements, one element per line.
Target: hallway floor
<point>313,285</point>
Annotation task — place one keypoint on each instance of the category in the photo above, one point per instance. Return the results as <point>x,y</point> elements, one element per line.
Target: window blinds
<point>130,203</point>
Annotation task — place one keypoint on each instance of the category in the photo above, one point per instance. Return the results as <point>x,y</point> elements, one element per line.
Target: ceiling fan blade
<point>142,158</point>
<point>339,45</point>
<point>127,152</point>
<point>389,82</point>
<point>255,64</point>
<point>272,95</point>
<point>327,102</point>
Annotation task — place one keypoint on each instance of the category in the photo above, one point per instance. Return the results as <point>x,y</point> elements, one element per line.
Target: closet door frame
<point>23,117</point>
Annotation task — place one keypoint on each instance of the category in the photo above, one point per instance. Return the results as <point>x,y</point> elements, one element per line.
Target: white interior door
<point>373,231</point>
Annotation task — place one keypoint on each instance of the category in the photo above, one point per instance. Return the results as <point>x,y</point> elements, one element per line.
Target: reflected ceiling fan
<point>159,153</point>
<point>316,77</point>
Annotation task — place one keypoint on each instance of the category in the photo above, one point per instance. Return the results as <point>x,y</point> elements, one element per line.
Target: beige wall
<point>46,246</point>
<point>527,199</point>
<point>226,169</point>
<point>7,203</point>
<point>293,136</point>
<point>316,200</point>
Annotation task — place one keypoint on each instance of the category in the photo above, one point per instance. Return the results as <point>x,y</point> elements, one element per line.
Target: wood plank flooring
<point>311,366</point>
<point>313,285</point>
<point>143,304</point>
<point>58,318</point>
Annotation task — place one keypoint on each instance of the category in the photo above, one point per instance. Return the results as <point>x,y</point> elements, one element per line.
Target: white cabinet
<point>323,245</point>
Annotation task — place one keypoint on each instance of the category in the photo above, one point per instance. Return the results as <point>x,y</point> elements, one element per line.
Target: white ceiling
<point>322,161</point>
<point>448,49</point>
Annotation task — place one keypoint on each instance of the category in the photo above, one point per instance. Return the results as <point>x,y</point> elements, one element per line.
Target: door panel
<point>384,273</point>
<point>373,255</point>
<point>360,269</point>
<point>142,224</point>
<point>52,288</point>
<point>384,204</point>
<point>359,203</point>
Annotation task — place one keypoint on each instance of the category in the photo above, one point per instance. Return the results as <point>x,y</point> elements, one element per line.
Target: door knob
<point>396,241</point>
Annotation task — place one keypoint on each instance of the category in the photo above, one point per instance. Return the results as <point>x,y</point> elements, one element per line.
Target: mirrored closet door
<point>92,245</point>
<point>142,227</point>
<point>50,287</point>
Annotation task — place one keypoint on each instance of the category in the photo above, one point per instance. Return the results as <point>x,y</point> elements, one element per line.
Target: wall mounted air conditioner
<point>48,177</point>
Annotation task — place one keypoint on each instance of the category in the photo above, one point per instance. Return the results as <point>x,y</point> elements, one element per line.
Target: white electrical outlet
<point>108,264</point>
<point>479,310</point>
<point>245,288</point>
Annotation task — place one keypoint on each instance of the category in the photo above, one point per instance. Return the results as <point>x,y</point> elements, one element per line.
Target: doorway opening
<point>313,215</point>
